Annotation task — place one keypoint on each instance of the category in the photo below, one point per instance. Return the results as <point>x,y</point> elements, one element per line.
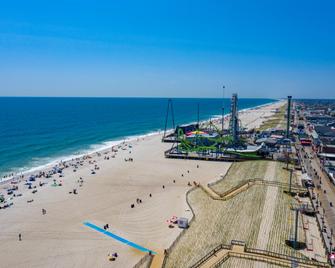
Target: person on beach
<point>20,237</point>
<point>110,257</point>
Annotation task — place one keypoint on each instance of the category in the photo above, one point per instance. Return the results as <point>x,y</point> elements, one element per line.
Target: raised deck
<point>206,157</point>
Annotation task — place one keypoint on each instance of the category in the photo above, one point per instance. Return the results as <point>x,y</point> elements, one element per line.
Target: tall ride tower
<point>234,129</point>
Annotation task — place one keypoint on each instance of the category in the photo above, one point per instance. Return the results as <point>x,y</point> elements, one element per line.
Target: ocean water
<point>38,131</point>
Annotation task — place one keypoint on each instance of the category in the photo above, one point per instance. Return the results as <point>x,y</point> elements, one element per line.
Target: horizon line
<point>162,97</point>
<point>140,97</point>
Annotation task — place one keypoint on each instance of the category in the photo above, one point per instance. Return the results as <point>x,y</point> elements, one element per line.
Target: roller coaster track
<point>217,256</point>
<point>245,185</point>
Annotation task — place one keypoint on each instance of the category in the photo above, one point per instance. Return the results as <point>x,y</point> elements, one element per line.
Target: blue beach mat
<point>116,237</point>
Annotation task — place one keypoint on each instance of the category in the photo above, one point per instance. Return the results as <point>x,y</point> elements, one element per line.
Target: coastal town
<point>267,194</point>
<point>167,134</point>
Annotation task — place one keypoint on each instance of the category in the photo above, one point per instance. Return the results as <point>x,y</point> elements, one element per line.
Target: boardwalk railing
<point>278,255</point>
<point>224,258</point>
<point>257,255</point>
<point>146,258</point>
<point>244,185</point>
<point>210,254</point>
<point>250,257</point>
<point>305,261</point>
<point>238,243</point>
<point>258,181</point>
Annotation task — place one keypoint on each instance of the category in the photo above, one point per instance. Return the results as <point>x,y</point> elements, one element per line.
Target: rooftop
<point>324,131</point>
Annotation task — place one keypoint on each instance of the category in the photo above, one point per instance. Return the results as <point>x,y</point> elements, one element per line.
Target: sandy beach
<point>60,239</point>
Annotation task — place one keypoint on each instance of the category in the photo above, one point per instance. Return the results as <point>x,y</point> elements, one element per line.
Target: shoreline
<point>110,144</point>
<point>104,197</point>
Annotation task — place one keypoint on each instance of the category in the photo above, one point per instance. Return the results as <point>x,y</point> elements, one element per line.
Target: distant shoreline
<point>109,144</point>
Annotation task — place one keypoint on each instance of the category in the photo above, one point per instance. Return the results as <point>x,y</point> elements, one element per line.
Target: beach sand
<point>60,239</point>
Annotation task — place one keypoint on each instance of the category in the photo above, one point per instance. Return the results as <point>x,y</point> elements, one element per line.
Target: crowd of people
<point>59,172</point>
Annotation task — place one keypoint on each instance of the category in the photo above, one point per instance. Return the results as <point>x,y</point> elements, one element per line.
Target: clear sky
<point>168,48</point>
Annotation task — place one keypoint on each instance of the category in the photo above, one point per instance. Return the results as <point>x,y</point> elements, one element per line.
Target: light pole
<point>222,122</point>
<point>287,156</point>
<point>290,189</point>
<point>331,242</point>
<point>296,228</point>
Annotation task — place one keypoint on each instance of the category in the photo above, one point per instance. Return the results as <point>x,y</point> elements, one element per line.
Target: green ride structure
<point>211,143</point>
<point>215,146</point>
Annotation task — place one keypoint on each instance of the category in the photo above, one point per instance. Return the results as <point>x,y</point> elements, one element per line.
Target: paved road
<point>324,191</point>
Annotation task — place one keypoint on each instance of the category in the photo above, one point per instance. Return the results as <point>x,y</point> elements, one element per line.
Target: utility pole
<point>287,157</point>
<point>296,228</point>
<point>290,188</point>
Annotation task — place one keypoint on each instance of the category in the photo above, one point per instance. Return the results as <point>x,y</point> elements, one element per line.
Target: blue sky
<point>167,48</point>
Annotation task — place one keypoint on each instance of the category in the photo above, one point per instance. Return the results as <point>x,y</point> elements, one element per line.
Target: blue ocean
<point>38,131</point>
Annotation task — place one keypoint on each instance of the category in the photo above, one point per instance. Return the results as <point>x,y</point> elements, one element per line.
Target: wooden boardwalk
<point>245,185</point>
<point>237,249</point>
<point>158,260</point>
